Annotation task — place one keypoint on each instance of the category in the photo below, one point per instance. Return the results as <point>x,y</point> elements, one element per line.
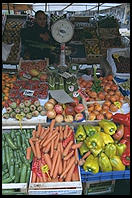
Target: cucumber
<point>10,141</point>
<point>8,180</point>
<point>23,173</point>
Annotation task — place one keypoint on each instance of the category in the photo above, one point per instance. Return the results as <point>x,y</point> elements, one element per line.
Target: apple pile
<point>64,112</point>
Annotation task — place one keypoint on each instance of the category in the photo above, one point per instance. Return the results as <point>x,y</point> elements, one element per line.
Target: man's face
<point>41,19</point>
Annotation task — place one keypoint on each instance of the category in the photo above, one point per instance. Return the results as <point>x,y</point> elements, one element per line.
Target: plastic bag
<point>6,49</point>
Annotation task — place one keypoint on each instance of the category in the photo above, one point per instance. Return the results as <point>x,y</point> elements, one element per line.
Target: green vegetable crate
<point>16,168</point>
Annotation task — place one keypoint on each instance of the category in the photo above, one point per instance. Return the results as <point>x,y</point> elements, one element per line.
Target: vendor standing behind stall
<point>36,37</point>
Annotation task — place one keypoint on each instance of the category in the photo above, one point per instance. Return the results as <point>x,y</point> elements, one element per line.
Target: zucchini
<point>4,167</point>
<point>3,137</point>
<point>27,143</point>
<point>28,173</point>
<point>3,155</point>
<point>24,132</point>
<point>23,138</point>
<point>17,173</point>
<point>13,133</point>
<point>7,155</point>
<point>10,141</point>
<point>12,169</point>
<point>15,142</point>
<point>8,180</point>
<point>4,172</point>
<point>23,173</point>
<point>5,175</point>
<point>18,137</point>
<point>11,153</point>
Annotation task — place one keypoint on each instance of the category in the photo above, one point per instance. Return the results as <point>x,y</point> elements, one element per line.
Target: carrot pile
<point>54,147</point>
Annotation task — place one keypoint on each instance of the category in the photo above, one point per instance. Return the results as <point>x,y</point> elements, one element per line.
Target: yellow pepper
<point>116,163</point>
<point>106,138</point>
<point>104,163</point>
<point>91,164</point>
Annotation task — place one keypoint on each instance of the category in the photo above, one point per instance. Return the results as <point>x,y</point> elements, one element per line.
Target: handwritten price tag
<point>45,169</point>
<point>118,105</point>
<point>19,117</point>
<point>28,92</point>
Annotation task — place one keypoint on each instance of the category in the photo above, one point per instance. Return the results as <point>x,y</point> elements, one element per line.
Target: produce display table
<point>51,137</point>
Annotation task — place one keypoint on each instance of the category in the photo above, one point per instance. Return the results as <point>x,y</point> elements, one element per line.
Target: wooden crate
<point>55,188</point>
<point>19,187</point>
<point>22,187</point>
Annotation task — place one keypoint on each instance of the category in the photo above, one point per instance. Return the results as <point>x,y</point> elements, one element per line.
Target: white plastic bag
<point>6,50</point>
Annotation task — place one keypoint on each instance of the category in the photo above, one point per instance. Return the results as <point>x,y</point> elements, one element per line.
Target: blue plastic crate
<point>103,176</point>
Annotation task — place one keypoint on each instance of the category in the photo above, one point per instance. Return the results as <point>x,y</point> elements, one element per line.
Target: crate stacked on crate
<point>92,49</point>
<point>11,35</point>
<point>108,32</point>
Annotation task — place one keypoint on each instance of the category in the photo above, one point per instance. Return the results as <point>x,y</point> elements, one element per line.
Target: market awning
<point>60,6</point>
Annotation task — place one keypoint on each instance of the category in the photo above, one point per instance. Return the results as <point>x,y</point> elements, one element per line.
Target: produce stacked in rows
<point>28,109</point>
<point>97,111</point>
<point>55,154</point>
<point>40,89</point>
<point>105,147</point>
<point>7,85</point>
<point>12,35</point>
<point>68,112</point>
<point>29,66</point>
<point>16,167</point>
<point>102,88</point>
<point>122,64</point>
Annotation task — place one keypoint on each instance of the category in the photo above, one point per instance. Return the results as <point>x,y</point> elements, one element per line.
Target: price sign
<point>28,92</point>
<point>28,76</point>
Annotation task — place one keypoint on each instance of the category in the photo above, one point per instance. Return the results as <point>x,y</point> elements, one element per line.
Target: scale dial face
<point>62,31</point>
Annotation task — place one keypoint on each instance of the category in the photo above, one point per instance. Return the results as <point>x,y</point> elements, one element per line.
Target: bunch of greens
<point>96,82</point>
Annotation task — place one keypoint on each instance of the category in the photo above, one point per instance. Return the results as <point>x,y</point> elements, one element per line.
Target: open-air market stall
<point>66,124</point>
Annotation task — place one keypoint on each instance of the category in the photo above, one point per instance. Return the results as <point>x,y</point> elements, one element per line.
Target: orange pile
<point>7,84</point>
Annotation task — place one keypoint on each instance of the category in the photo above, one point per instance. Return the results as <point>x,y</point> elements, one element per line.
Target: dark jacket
<point>32,43</point>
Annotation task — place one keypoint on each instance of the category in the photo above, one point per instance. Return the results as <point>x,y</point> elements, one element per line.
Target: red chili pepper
<point>124,141</point>
<point>126,133</point>
<point>125,158</point>
<point>122,118</point>
<point>67,140</point>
